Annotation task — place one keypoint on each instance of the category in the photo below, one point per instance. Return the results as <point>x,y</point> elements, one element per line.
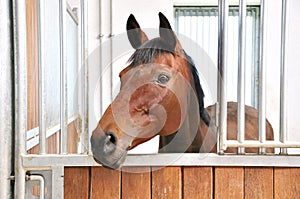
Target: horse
<point>161,94</point>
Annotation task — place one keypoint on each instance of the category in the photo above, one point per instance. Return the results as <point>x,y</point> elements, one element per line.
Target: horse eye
<point>162,78</point>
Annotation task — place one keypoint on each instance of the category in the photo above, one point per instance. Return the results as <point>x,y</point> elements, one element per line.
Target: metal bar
<point>63,77</point>
<point>42,184</point>
<point>268,144</point>
<point>84,64</point>
<point>57,181</point>
<point>255,58</point>
<point>262,82</point>
<point>241,74</point>
<point>105,54</point>
<point>222,65</point>
<point>6,98</point>
<point>20,73</point>
<point>283,79</point>
<point>40,162</point>
<point>41,78</point>
<point>32,137</point>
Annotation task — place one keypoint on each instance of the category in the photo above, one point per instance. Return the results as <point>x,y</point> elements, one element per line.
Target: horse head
<point>157,88</point>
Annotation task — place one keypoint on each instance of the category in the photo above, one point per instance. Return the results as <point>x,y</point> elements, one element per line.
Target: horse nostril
<point>109,143</point>
<point>110,137</point>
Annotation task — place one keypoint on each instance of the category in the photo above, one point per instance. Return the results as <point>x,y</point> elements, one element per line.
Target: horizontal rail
<point>265,144</point>
<point>32,136</point>
<point>42,162</point>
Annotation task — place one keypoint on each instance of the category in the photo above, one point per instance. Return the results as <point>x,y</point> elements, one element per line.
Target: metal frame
<point>44,162</point>
<point>85,86</point>
<point>221,109</point>
<point>56,163</point>
<point>283,78</point>
<point>20,68</point>
<point>41,76</point>
<point>241,142</point>
<point>6,97</point>
<point>241,74</point>
<point>63,77</point>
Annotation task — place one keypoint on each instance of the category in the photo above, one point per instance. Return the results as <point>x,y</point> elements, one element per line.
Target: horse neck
<point>188,138</point>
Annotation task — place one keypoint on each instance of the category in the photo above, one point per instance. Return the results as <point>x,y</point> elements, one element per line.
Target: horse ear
<point>166,32</point>
<point>135,35</point>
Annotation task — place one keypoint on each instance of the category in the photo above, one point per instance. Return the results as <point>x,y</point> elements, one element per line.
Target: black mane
<point>200,94</point>
<point>147,52</point>
<point>151,49</point>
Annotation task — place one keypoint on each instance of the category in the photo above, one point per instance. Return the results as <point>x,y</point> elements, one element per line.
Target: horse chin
<point>115,161</point>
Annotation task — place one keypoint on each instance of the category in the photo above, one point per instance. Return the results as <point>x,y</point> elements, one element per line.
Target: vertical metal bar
<point>256,57</point>
<point>85,87</point>
<point>63,78</point>
<point>241,74</point>
<point>222,65</point>
<point>111,36</point>
<point>57,181</point>
<point>283,79</point>
<point>262,82</point>
<point>6,98</point>
<point>20,69</point>
<point>41,78</point>
<point>100,54</point>
<point>106,64</point>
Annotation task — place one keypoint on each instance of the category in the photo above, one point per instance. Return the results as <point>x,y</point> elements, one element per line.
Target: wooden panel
<point>77,182</point>
<point>73,136</point>
<point>106,183</point>
<point>32,64</point>
<point>229,182</point>
<point>258,183</point>
<point>287,183</point>
<point>136,183</point>
<point>197,182</point>
<point>166,183</point>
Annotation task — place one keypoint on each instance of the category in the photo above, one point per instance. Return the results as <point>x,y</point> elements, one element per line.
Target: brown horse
<point>161,95</point>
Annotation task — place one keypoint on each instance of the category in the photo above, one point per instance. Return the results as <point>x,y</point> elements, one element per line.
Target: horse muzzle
<point>107,150</point>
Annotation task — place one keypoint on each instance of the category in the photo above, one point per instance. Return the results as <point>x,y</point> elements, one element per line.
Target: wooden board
<point>106,183</point>
<point>32,64</point>
<point>166,183</point>
<point>258,183</point>
<point>77,182</point>
<point>73,133</point>
<point>136,183</point>
<point>287,183</point>
<point>197,182</point>
<point>229,182</point>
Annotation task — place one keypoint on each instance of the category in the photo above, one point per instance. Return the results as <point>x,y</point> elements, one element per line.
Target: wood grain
<point>32,64</point>
<point>166,183</point>
<point>197,182</point>
<point>258,183</point>
<point>229,182</point>
<point>287,183</point>
<point>77,182</point>
<point>106,183</point>
<point>73,136</point>
<point>136,183</point>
